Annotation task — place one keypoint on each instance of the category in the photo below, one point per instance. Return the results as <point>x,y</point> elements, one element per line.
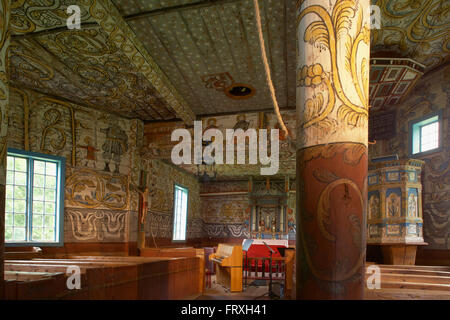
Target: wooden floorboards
<point>29,279</point>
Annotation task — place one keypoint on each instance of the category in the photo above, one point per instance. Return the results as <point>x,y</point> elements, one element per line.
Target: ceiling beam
<point>267,110</point>
<point>35,34</point>
<point>182,7</point>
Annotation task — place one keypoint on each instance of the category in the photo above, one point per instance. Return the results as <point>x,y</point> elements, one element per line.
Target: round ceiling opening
<point>240,91</point>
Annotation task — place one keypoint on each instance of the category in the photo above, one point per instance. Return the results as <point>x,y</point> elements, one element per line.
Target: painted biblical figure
<point>393,205</point>
<point>374,206</point>
<point>116,144</point>
<point>412,205</point>
<point>90,152</point>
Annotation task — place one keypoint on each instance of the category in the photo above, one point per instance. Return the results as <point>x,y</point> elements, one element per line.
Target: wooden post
<point>4,95</point>
<point>143,208</point>
<point>333,47</point>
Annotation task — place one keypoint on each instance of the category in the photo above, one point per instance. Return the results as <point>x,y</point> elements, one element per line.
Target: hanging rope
<point>267,71</point>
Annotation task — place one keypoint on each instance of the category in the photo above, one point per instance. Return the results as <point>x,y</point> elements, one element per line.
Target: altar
<point>268,209</point>
<point>269,242</point>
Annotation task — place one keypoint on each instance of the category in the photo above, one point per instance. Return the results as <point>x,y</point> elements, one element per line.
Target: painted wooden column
<point>333,47</point>
<point>4,94</point>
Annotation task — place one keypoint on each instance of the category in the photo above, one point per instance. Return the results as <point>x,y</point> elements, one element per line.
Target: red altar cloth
<point>261,251</point>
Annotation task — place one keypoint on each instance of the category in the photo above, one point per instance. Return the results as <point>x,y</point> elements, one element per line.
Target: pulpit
<point>394,215</point>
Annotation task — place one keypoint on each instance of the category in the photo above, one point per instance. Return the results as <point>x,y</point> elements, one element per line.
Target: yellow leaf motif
<point>317,34</point>
<point>313,107</point>
<point>343,11</point>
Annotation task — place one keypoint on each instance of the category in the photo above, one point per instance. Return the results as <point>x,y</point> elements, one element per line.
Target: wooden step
<point>414,285</point>
<point>415,272</point>
<point>414,267</point>
<point>405,294</point>
<point>414,278</point>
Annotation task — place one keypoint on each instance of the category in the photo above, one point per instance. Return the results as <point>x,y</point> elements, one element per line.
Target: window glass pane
<point>39,167</point>
<point>19,220</point>
<point>9,205</point>
<point>9,192</point>
<point>37,220</point>
<point>49,208</point>
<point>50,169</point>
<point>38,193</point>
<point>37,234</point>
<point>49,221</point>
<point>9,219</point>
<point>10,163</point>
<point>50,195</point>
<point>19,234</point>
<point>10,177</point>
<point>429,136</point>
<point>20,178</point>
<point>50,182</point>
<point>49,234</point>
<point>20,192</point>
<point>180,213</point>
<point>20,206</point>
<point>8,233</point>
<point>39,180</point>
<point>20,164</point>
<point>38,207</point>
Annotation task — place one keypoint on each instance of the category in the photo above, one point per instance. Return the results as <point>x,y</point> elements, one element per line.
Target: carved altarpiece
<point>268,209</point>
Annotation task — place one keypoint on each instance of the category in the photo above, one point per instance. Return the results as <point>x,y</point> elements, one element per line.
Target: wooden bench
<point>180,252</point>
<point>102,277</point>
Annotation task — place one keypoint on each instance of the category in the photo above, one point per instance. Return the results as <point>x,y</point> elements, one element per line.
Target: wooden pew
<point>184,270</point>
<point>105,278</point>
<point>180,252</point>
<point>32,285</point>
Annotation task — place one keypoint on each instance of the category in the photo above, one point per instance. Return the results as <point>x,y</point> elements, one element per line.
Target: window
<point>425,134</point>
<point>34,198</point>
<point>180,208</point>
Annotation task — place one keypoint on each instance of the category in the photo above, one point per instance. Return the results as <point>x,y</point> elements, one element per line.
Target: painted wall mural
<point>102,161</point>
<point>162,180</point>
<point>95,225</point>
<point>262,120</point>
<point>225,209</point>
<point>431,95</point>
<point>90,189</point>
<point>226,215</point>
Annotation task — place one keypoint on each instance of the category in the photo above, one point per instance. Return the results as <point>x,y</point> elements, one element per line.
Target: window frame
<point>60,189</point>
<point>175,185</point>
<point>415,133</point>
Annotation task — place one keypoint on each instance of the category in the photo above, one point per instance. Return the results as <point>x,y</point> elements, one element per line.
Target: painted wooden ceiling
<point>166,59</point>
<point>415,29</point>
<point>206,49</point>
<point>102,65</point>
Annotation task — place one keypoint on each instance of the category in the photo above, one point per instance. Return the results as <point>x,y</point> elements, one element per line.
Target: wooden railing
<point>261,268</point>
